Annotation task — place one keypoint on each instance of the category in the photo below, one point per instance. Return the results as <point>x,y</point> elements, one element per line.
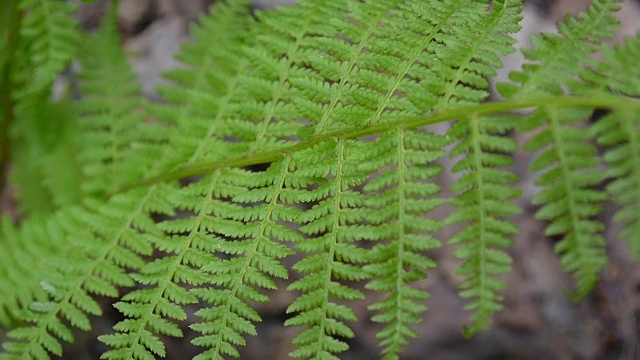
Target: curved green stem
<point>601,101</point>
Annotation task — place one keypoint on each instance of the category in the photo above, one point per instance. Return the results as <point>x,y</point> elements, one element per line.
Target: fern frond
<point>473,52</point>
<point>377,62</point>
<point>203,88</point>
<point>254,234</point>
<point>329,97</point>
<point>619,133</point>
<point>253,110</point>
<point>105,240</point>
<point>446,76</point>
<point>49,38</point>
<point>150,311</point>
<point>360,91</point>
<point>259,125</point>
<point>398,200</point>
<point>111,116</point>
<point>483,195</point>
<point>46,173</point>
<point>555,56</point>
<point>331,226</point>
<point>25,248</point>
<point>215,99</point>
<point>569,198</point>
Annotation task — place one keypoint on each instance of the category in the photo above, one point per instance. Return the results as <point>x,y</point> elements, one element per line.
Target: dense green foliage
<point>156,205</point>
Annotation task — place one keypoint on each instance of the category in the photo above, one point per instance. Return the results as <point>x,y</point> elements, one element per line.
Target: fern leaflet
<point>569,198</point>
<point>618,132</point>
<point>50,38</point>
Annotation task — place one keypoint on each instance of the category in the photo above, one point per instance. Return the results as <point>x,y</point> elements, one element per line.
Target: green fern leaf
<point>103,240</point>
<point>618,131</point>
<point>164,293</point>
<point>266,124</point>
<point>483,205</point>
<point>25,248</point>
<point>50,38</point>
<point>398,199</point>
<point>329,225</point>
<point>407,198</point>
<point>359,104</point>
<point>164,279</point>
<point>254,262</point>
<point>569,197</point>
<point>47,173</point>
<point>482,189</point>
<point>351,99</point>
<point>111,116</point>
<point>196,103</point>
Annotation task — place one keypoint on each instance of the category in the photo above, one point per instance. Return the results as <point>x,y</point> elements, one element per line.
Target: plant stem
<point>602,101</point>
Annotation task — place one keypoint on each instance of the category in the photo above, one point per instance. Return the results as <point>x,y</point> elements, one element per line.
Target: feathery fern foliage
<point>569,196</point>
<point>49,38</point>
<point>157,205</point>
<point>111,113</point>
<point>618,132</point>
